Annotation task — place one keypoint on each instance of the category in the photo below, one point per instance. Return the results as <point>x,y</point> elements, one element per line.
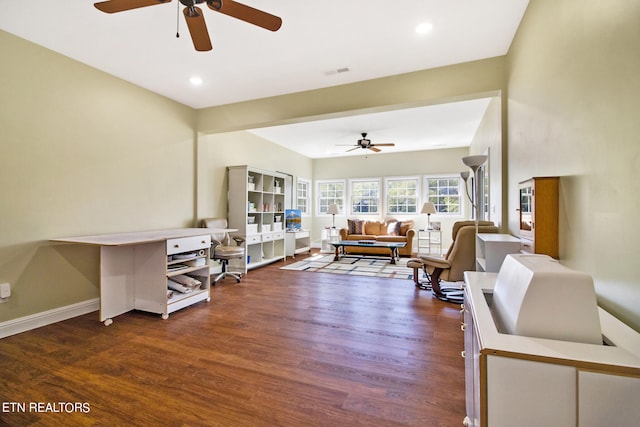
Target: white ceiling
<point>372,38</point>
<point>422,128</point>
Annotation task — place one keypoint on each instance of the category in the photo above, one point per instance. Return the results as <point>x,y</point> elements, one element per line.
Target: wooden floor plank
<point>282,347</point>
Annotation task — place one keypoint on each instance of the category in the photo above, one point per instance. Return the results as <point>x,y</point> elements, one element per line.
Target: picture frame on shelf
<point>435,225</point>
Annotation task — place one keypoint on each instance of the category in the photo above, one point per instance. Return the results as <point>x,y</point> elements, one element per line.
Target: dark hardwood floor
<point>281,348</point>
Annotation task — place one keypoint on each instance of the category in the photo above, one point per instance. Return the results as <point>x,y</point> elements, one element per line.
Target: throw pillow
<point>355,226</point>
<point>374,228</point>
<point>393,228</point>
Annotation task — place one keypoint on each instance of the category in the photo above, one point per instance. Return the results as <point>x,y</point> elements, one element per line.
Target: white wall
<point>574,103</point>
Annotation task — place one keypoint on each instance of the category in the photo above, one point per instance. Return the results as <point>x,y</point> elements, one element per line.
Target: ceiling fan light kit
<point>195,18</point>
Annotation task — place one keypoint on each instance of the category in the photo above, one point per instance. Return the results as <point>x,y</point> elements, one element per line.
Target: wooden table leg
<point>337,257</point>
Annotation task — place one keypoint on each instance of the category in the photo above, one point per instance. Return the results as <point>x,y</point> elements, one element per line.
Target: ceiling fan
<point>366,144</point>
<point>195,19</point>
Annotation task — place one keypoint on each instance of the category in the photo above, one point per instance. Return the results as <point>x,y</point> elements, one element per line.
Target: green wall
<point>82,153</point>
<point>574,102</point>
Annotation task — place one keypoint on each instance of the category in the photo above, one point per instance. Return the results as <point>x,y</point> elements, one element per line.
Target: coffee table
<point>392,246</point>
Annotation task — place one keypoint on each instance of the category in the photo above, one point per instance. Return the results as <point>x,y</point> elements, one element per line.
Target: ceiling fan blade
<point>372,148</point>
<point>113,6</point>
<point>197,28</point>
<point>390,144</point>
<point>246,13</point>
<point>354,148</point>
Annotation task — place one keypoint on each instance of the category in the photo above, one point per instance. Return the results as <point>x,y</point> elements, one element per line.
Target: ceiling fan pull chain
<point>178,19</point>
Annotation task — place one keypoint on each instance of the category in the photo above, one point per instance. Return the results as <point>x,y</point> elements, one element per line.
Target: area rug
<point>354,265</point>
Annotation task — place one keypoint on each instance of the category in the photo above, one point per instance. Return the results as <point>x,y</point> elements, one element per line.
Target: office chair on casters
<point>460,257</point>
<point>221,247</point>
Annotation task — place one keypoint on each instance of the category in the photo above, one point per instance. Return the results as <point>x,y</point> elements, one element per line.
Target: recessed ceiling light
<point>195,80</point>
<point>424,28</point>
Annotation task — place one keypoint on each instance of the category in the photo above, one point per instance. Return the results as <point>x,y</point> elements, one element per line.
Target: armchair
<point>221,247</point>
<point>460,257</point>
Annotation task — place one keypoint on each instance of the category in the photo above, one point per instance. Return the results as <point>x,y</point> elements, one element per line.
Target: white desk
<point>297,241</point>
<point>134,269</point>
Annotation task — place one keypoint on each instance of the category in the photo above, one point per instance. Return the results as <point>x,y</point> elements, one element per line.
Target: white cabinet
<point>297,242</point>
<point>256,207</point>
<point>188,267</point>
<point>514,380</point>
<point>491,248</point>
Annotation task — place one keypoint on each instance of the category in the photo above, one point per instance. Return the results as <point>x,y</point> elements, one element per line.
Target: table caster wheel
<point>208,299</point>
<point>165,316</point>
<point>107,322</point>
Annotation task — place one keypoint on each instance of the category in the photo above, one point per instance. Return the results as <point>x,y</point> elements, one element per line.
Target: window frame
<point>350,195</point>
<point>462,195</point>
<point>387,207</point>
<point>308,198</point>
<point>318,196</point>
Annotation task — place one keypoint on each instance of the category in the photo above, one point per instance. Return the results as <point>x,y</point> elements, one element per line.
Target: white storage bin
<point>266,228</point>
<point>252,228</point>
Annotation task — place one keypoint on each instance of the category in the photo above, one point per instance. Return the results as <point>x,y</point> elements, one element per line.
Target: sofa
<point>389,230</point>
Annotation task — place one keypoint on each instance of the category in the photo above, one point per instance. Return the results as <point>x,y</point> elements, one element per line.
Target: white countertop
<point>119,239</point>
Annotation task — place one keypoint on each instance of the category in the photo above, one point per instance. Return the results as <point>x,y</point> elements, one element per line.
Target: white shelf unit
<point>297,242</point>
<point>329,236</point>
<point>491,248</point>
<point>429,240</point>
<point>256,202</point>
<point>193,253</point>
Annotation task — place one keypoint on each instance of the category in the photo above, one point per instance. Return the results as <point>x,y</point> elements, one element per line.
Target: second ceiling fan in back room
<point>195,19</point>
<point>366,144</point>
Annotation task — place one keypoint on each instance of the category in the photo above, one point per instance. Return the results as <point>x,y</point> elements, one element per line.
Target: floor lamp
<point>474,163</point>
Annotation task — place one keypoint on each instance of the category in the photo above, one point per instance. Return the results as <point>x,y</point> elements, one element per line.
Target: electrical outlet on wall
<point>5,292</point>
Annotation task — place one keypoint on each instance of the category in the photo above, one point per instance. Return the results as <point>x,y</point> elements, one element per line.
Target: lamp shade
<point>428,208</point>
<point>332,209</point>
<point>474,162</point>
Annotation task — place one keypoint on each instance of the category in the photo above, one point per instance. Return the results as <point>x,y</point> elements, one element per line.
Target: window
<point>402,195</point>
<point>328,193</point>
<point>446,193</point>
<point>303,196</point>
<point>365,196</point>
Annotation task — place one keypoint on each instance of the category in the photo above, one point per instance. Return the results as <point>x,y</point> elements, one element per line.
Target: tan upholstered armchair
<point>460,257</point>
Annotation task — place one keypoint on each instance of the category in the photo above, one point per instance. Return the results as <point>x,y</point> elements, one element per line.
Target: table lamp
<point>333,210</point>
<point>428,208</point>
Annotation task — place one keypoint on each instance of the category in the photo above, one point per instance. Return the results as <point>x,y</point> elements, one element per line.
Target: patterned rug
<point>354,265</point>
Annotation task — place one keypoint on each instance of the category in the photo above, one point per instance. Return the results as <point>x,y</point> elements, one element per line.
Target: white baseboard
<point>33,321</point>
